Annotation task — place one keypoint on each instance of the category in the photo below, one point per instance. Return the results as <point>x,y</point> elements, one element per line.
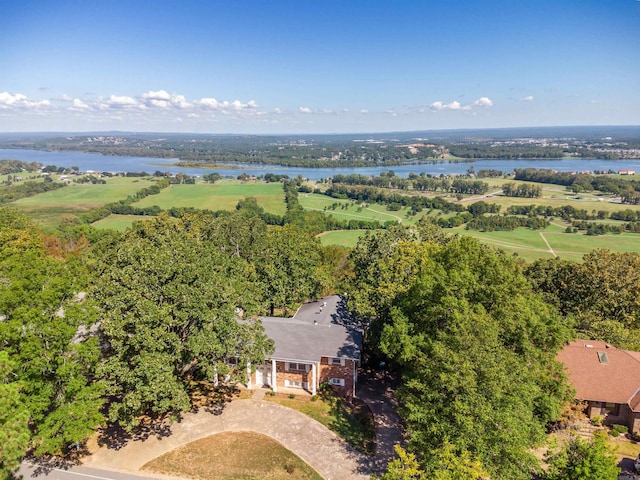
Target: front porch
<point>285,376</point>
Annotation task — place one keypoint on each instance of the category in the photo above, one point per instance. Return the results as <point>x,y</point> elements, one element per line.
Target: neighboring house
<point>320,344</point>
<point>607,378</point>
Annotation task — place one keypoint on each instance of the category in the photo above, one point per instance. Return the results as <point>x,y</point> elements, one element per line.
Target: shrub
<point>292,396</point>
<point>597,420</point>
<point>271,393</point>
<point>618,429</point>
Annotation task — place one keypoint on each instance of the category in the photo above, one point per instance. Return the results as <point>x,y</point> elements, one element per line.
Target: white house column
<point>274,381</point>
<point>249,375</point>
<point>313,378</point>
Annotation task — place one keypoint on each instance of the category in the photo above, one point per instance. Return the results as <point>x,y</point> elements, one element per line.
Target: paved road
<point>30,471</point>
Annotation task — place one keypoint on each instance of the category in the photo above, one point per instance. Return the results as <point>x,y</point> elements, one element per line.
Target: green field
<point>50,208</point>
<point>349,210</point>
<point>119,222</point>
<point>530,244</point>
<point>223,195</point>
<point>345,238</point>
<point>552,195</point>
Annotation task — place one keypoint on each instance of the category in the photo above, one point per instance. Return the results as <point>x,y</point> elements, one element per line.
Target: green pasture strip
<point>81,197</point>
<point>345,238</point>
<point>529,244</point>
<point>49,209</point>
<point>579,201</point>
<point>354,210</point>
<point>572,243</point>
<point>25,176</point>
<point>119,222</point>
<point>223,195</point>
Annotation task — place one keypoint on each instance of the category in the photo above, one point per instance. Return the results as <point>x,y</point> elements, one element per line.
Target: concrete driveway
<point>324,451</point>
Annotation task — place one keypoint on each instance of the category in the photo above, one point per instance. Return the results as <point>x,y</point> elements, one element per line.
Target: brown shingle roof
<point>616,381</point>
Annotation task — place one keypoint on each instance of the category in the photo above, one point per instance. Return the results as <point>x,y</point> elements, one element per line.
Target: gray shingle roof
<point>315,332</point>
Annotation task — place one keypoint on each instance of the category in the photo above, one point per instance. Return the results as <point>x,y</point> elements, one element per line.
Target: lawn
<point>223,195</point>
<point>119,222</point>
<point>50,208</point>
<point>553,195</point>
<point>351,422</point>
<point>349,210</point>
<point>345,238</point>
<point>233,456</point>
<point>530,244</point>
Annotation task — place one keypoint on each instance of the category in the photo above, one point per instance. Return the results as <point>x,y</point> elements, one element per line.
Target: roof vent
<point>588,345</point>
<point>602,356</point>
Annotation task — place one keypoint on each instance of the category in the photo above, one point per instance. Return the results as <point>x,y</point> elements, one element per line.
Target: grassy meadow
<point>222,195</point>
<point>348,209</point>
<point>49,209</point>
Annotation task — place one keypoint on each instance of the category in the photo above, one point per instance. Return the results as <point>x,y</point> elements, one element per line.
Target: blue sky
<point>317,66</point>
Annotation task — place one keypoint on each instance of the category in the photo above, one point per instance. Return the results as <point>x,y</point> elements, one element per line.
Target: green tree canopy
<point>167,304</point>
<point>474,345</point>
<point>601,295</point>
<point>583,460</point>
<point>44,314</point>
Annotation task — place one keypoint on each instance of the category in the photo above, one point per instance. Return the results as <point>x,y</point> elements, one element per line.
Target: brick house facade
<point>319,345</point>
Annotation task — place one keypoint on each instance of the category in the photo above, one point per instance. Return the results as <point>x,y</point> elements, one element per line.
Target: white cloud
<point>455,105</point>
<point>305,110</point>
<point>79,105</point>
<point>528,98</point>
<point>163,99</point>
<point>364,112</point>
<point>483,102</point>
<point>118,102</point>
<point>277,110</point>
<point>208,103</point>
<point>20,101</point>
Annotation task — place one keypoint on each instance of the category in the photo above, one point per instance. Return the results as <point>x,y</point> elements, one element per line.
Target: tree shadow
<point>205,397</point>
<point>47,463</point>
<point>114,436</point>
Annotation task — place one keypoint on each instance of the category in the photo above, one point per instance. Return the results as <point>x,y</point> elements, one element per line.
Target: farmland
<point>222,195</point>
<point>53,207</point>
<point>49,209</point>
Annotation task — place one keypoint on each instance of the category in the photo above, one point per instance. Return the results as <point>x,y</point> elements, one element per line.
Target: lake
<point>102,163</point>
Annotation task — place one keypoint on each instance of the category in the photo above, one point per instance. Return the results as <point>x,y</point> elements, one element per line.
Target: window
<point>299,367</point>
<point>336,361</point>
<point>612,409</point>
<point>296,384</point>
<point>337,381</point>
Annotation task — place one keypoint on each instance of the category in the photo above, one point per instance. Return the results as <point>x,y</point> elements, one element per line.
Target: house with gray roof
<point>320,344</point>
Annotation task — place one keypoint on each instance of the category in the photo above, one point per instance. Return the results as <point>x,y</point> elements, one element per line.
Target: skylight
<point>602,356</point>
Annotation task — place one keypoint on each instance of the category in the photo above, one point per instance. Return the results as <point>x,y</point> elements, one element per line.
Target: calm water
<point>101,163</point>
